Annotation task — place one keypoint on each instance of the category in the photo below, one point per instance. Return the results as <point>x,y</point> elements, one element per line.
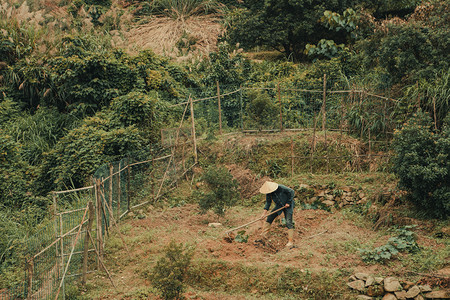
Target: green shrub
<point>261,109</point>
<point>223,190</point>
<point>169,274</point>
<point>422,164</point>
<point>404,241</point>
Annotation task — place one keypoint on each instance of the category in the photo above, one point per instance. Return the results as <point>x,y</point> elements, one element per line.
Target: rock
<point>321,194</point>
<point>401,295</point>
<point>363,297</point>
<point>347,189</point>
<point>328,202</point>
<point>352,278</point>
<point>419,297</point>
<point>361,195</point>
<point>442,294</point>
<point>379,280</point>
<point>375,291</point>
<point>357,285</point>
<point>362,276</point>
<point>389,296</point>
<point>329,197</point>
<point>425,288</point>
<point>215,224</point>
<point>391,284</point>
<point>370,281</point>
<point>304,186</point>
<point>407,285</point>
<point>313,199</point>
<point>413,292</point>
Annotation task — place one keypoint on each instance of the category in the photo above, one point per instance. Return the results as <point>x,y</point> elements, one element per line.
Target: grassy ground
<point>326,252</point>
<point>327,242</point>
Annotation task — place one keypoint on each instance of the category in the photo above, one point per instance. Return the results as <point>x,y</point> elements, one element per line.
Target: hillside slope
<point>327,241</point>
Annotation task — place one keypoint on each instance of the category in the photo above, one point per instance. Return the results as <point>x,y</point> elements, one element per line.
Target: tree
<point>409,50</point>
<point>283,25</point>
<point>261,108</point>
<point>223,190</point>
<point>422,163</point>
<point>170,271</point>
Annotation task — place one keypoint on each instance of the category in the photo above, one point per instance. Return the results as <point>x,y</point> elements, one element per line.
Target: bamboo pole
<point>313,146</point>
<point>220,108</point>
<point>101,260</point>
<point>74,190</point>
<point>176,141</point>
<point>103,201</point>
<point>86,241</point>
<point>117,227</point>
<point>242,109</point>
<point>62,250</point>
<point>281,110</point>
<point>434,110</point>
<point>119,192</point>
<point>292,157</point>
<point>98,216</point>
<point>193,129</point>
<point>56,229</point>
<point>254,221</point>
<point>30,271</point>
<point>70,257</point>
<point>111,171</point>
<point>324,96</point>
<point>324,117</point>
<point>129,186</point>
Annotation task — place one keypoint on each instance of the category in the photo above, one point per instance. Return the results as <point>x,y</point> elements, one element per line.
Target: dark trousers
<point>287,217</point>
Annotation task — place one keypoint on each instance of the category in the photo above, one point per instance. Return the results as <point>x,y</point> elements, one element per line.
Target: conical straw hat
<point>268,187</point>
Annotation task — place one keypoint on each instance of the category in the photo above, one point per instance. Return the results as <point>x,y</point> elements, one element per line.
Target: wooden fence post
<point>99,219</point>
<point>111,171</point>
<point>119,191</point>
<point>324,108</point>
<point>242,109</point>
<point>86,242</point>
<point>292,157</point>
<point>220,108</point>
<point>30,271</point>
<point>281,111</point>
<point>434,110</point>
<point>129,186</point>
<point>62,249</point>
<point>313,146</point>
<point>193,129</point>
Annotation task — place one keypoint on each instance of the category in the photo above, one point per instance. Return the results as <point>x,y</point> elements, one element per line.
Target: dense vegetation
<point>74,101</point>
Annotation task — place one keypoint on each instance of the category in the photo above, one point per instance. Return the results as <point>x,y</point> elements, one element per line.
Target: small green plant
<point>405,241</point>
<point>223,190</point>
<point>169,274</point>
<point>241,237</point>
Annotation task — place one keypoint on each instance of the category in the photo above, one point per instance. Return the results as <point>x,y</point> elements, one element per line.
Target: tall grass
<point>433,94</point>
<point>183,9</point>
<point>38,133</point>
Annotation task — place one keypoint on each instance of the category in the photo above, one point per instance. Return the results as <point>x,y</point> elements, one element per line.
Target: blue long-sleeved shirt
<point>281,196</point>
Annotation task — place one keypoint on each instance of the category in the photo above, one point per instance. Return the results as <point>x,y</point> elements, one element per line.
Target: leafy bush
<point>223,190</point>
<point>169,273</point>
<point>404,241</point>
<point>422,164</point>
<point>261,109</point>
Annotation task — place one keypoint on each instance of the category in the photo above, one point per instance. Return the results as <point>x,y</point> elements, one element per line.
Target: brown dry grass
<point>162,34</point>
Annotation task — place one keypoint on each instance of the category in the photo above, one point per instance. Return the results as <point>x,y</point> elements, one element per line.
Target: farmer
<point>282,196</point>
